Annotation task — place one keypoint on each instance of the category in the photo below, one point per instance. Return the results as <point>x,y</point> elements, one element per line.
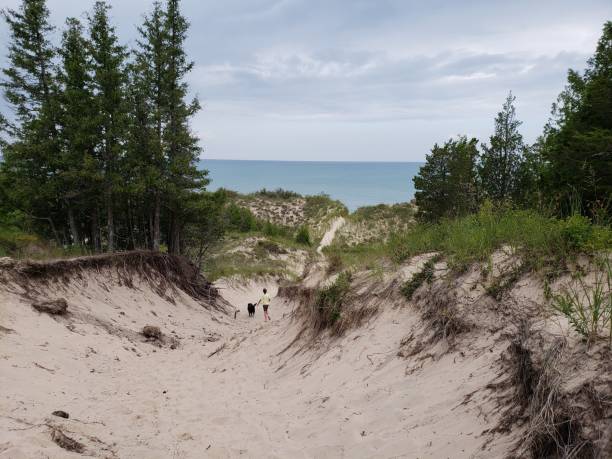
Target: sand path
<point>330,234</point>
<point>256,396</point>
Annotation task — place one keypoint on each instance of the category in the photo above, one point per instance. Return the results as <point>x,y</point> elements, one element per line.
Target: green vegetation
<point>589,307</point>
<point>446,185</point>
<point>369,256</point>
<point>321,206</point>
<point>402,212</point>
<point>279,194</point>
<point>303,236</point>
<point>99,154</point>
<point>502,161</point>
<point>567,171</point>
<point>236,265</point>
<point>426,274</point>
<point>328,301</point>
<point>539,240</point>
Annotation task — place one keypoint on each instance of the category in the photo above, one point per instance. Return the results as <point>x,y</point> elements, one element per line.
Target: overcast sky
<point>365,80</point>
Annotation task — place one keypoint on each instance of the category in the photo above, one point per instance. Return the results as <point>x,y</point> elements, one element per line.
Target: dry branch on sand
<point>53,307</point>
<point>152,332</point>
<point>66,442</point>
<point>558,423</point>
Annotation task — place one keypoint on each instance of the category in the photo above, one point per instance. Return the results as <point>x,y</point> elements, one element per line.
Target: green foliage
<point>446,184</point>
<point>426,274</point>
<point>578,139</point>
<point>206,225</point>
<point>239,218</point>
<point>273,230</point>
<point>588,307</point>
<point>303,236</point>
<point>100,152</point>
<point>538,239</point>
<point>328,301</point>
<point>501,161</point>
<point>321,205</point>
<point>402,211</point>
<point>577,232</point>
<point>279,194</point>
<point>368,256</point>
<point>335,263</point>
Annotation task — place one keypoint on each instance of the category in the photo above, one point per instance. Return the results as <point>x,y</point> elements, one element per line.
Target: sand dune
<point>233,387</point>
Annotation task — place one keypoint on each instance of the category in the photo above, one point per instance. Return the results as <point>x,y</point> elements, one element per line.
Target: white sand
<point>129,399</point>
<point>330,234</point>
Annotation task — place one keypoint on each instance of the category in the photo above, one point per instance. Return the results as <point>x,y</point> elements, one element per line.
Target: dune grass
<point>401,212</point>
<point>540,240</point>
<point>370,256</point>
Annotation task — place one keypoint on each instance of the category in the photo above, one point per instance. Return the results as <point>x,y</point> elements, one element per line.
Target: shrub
<point>328,301</point>
<point>335,263</point>
<point>426,274</point>
<point>303,236</point>
<point>538,239</point>
<point>279,193</point>
<point>239,218</point>
<point>318,205</point>
<point>588,308</point>
<point>577,232</point>
<point>274,230</point>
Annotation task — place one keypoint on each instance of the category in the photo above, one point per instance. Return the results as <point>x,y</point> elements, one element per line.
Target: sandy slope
<point>330,234</point>
<point>254,398</point>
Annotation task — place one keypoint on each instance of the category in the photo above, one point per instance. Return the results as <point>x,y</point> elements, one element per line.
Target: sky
<point>364,80</point>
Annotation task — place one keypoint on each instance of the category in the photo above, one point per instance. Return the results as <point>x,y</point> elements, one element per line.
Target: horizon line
<point>309,161</point>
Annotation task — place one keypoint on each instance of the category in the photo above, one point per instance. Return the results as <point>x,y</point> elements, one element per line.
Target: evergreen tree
<point>31,152</point>
<point>108,65</point>
<point>446,184</point>
<point>501,160</point>
<point>78,128</point>
<point>149,84</point>
<point>578,139</point>
<point>181,145</point>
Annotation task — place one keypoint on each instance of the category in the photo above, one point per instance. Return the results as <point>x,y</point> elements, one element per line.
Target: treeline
<point>98,151</point>
<point>567,171</point>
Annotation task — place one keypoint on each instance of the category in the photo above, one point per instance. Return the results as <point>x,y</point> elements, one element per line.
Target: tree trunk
<point>110,221</point>
<point>95,230</point>
<point>130,222</point>
<point>176,237</point>
<point>156,221</point>
<point>73,227</point>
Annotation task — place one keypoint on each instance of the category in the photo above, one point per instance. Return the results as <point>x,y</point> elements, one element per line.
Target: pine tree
<point>108,65</point>
<point>501,160</point>
<point>78,128</point>
<point>181,145</point>
<point>30,156</point>
<point>150,87</point>
<point>578,139</point>
<point>446,185</point>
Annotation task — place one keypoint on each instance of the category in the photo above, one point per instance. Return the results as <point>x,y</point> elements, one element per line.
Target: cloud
<point>334,79</point>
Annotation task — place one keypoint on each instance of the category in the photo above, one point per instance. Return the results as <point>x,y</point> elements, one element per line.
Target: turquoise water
<point>356,184</point>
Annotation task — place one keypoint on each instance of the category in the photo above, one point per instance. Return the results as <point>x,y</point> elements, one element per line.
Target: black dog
<point>251,309</point>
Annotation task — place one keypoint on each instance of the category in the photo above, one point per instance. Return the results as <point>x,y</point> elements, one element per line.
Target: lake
<point>356,184</point>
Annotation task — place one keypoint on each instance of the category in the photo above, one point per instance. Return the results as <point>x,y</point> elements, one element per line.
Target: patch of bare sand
<point>240,387</point>
<point>232,387</point>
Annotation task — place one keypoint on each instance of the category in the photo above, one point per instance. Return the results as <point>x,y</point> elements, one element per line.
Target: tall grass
<point>367,255</point>
<point>539,239</point>
<point>588,306</point>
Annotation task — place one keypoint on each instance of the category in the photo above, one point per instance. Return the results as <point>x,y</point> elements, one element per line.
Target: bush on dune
<point>539,239</point>
<point>303,236</point>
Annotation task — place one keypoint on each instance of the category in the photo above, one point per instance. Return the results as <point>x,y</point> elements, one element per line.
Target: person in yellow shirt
<point>265,302</point>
